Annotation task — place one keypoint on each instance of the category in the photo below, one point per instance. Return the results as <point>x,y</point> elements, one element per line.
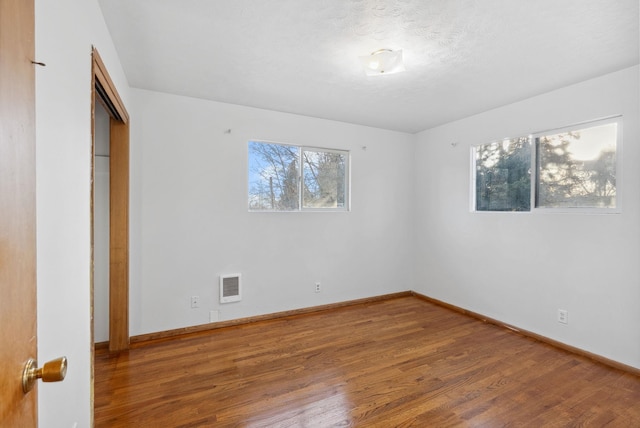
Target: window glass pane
<point>578,168</point>
<point>503,176</point>
<point>323,179</point>
<point>273,176</point>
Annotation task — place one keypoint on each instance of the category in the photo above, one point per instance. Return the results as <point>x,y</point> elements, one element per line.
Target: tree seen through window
<point>277,182</point>
<point>573,169</point>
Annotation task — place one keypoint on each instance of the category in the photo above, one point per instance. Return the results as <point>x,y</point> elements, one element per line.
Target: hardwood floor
<point>397,363</point>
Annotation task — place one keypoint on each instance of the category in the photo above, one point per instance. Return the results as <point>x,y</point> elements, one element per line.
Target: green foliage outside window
<point>503,178</point>
<point>574,169</point>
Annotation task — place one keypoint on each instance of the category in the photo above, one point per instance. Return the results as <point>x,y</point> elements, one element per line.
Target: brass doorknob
<point>52,371</point>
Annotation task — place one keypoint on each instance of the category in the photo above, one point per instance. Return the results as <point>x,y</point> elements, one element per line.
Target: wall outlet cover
<point>195,302</point>
<point>563,316</point>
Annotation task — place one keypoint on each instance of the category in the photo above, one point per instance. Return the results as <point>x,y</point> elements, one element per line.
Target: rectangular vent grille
<point>230,288</point>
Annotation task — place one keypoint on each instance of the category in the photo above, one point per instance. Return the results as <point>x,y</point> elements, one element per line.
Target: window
<point>574,168</point>
<point>292,178</point>
<point>503,176</point>
<point>578,168</point>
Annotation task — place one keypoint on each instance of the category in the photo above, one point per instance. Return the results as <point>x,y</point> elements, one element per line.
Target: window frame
<point>300,150</point>
<point>535,172</point>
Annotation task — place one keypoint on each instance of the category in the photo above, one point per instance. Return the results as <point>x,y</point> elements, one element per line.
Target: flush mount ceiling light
<point>383,61</point>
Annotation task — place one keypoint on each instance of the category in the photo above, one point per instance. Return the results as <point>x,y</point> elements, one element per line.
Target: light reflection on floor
<point>329,410</point>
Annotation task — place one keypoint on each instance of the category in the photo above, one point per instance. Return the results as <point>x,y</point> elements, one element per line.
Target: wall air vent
<point>230,288</point>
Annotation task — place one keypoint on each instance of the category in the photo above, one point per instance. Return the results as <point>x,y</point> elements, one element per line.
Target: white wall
<point>101,251</point>
<point>65,32</point>
<point>101,226</point>
<point>190,221</point>
<point>521,268</point>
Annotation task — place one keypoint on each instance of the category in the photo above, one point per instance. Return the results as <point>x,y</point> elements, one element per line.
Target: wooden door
<point>17,211</point>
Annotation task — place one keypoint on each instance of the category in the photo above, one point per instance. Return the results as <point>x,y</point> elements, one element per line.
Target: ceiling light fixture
<point>383,61</point>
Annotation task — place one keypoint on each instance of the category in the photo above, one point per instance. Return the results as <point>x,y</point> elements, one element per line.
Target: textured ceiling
<point>301,56</point>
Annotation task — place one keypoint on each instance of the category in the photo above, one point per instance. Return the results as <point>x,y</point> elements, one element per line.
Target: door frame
<point>104,91</point>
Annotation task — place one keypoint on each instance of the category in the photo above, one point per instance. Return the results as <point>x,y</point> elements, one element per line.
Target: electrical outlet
<point>214,316</point>
<point>195,302</point>
<point>317,287</point>
<point>563,316</point>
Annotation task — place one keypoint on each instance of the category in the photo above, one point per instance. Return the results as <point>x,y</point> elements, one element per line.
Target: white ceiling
<point>301,56</point>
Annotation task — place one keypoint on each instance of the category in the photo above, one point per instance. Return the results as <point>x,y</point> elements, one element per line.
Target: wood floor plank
<point>403,362</point>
